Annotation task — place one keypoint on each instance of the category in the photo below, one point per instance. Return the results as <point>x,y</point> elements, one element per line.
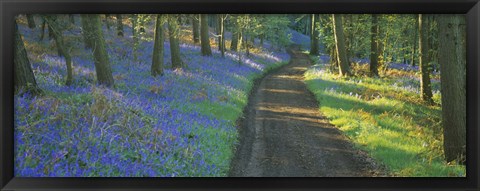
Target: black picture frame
<point>10,8</point>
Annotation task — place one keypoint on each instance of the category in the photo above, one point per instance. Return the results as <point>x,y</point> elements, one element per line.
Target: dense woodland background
<point>159,95</point>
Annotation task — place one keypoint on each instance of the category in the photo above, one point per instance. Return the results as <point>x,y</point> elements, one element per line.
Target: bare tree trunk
<point>174,33</point>
<point>425,86</point>
<point>62,47</point>
<point>340,45</point>
<point>119,25</point>
<point>374,47</point>
<point>452,60</point>
<point>102,65</point>
<point>205,41</point>
<point>31,21</point>
<point>24,79</point>
<point>157,59</point>
<point>196,30</point>
<point>314,38</point>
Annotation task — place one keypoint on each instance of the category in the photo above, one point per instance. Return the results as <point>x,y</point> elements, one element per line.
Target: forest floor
<point>283,133</point>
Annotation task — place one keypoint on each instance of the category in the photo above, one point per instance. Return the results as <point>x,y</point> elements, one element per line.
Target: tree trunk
<point>87,31</point>
<point>107,21</point>
<point>340,45</point>
<point>102,66</point>
<point>42,34</point>
<point>24,79</point>
<point>235,35</point>
<point>31,21</point>
<point>222,34</point>
<point>173,33</point>
<point>72,18</point>
<point>425,87</point>
<point>119,25</point>
<point>452,60</point>
<point>205,41</point>
<point>314,45</point>
<point>196,30</point>
<point>135,36</point>
<point>373,47</point>
<point>157,59</point>
<point>62,47</point>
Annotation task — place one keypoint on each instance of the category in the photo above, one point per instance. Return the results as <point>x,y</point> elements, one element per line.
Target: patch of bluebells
<point>146,126</point>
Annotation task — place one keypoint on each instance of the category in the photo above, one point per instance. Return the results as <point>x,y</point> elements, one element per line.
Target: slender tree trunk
<point>173,33</point>
<point>24,79</point>
<point>72,18</point>
<point>222,34</point>
<point>62,47</point>
<point>373,47</point>
<point>86,30</point>
<point>31,21</point>
<point>235,35</point>
<point>157,59</point>
<point>340,45</point>
<point>119,25</point>
<point>135,34</point>
<point>107,22</point>
<point>452,60</point>
<point>314,45</point>
<point>196,29</point>
<point>42,34</point>
<point>425,87</point>
<point>102,65</point>
<point>205,41</point>
<point>415,42</point>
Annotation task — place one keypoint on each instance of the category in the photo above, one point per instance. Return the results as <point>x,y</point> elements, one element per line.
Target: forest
<point>214,95</point>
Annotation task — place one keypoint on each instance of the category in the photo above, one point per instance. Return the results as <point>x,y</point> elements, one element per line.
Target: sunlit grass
<point>386,118</point>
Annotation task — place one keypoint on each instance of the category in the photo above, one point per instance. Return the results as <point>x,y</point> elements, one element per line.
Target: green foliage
<point>391,123</point>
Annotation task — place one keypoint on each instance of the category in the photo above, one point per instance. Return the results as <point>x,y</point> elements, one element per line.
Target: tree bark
<point>173,33</point>
<point>196,29</point>
<point>93,26</point>
<point>222,34</point>
<point>314,45</point>
<point>425,86</point>
<point>24,79</point>
<point>452,60</point>
<point>205,41</point>
<point>374,47</point>
<point>62,47</point>
<point>157,59</point>
<point>31,21</point>
<point>235,35</point>
<point>340,45</point>
<point>86,30</point>
<point>119,25</point>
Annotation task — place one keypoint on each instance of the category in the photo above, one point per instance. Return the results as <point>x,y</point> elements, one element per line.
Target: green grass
<point>392,124</point>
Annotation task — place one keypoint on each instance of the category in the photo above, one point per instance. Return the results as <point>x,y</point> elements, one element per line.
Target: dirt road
<point>283,133</point>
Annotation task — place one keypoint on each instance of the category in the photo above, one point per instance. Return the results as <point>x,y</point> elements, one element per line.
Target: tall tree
<point>205,41</point>
<point>340,45</point>
<point>314,37</point>
<point>63,48</point>
<point>31,21</point>
<point>236,35</point>
<point>119,25</point>
<point>134,20</point>
<point>174,35</point>
<point>23,75</point>
<point>157,59</point>
<point>195,27</point>
<point>86,31</point>
<point>452,60</point>
<point>425,86</point>
<point>374,47</point>
<point>93,25</point>
<point>221,43</point>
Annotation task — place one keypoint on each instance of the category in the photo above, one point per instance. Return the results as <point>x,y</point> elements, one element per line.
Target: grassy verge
<point>385,118</point>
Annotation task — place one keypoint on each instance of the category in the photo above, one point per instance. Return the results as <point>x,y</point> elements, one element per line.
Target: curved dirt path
<point>283,133</point>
